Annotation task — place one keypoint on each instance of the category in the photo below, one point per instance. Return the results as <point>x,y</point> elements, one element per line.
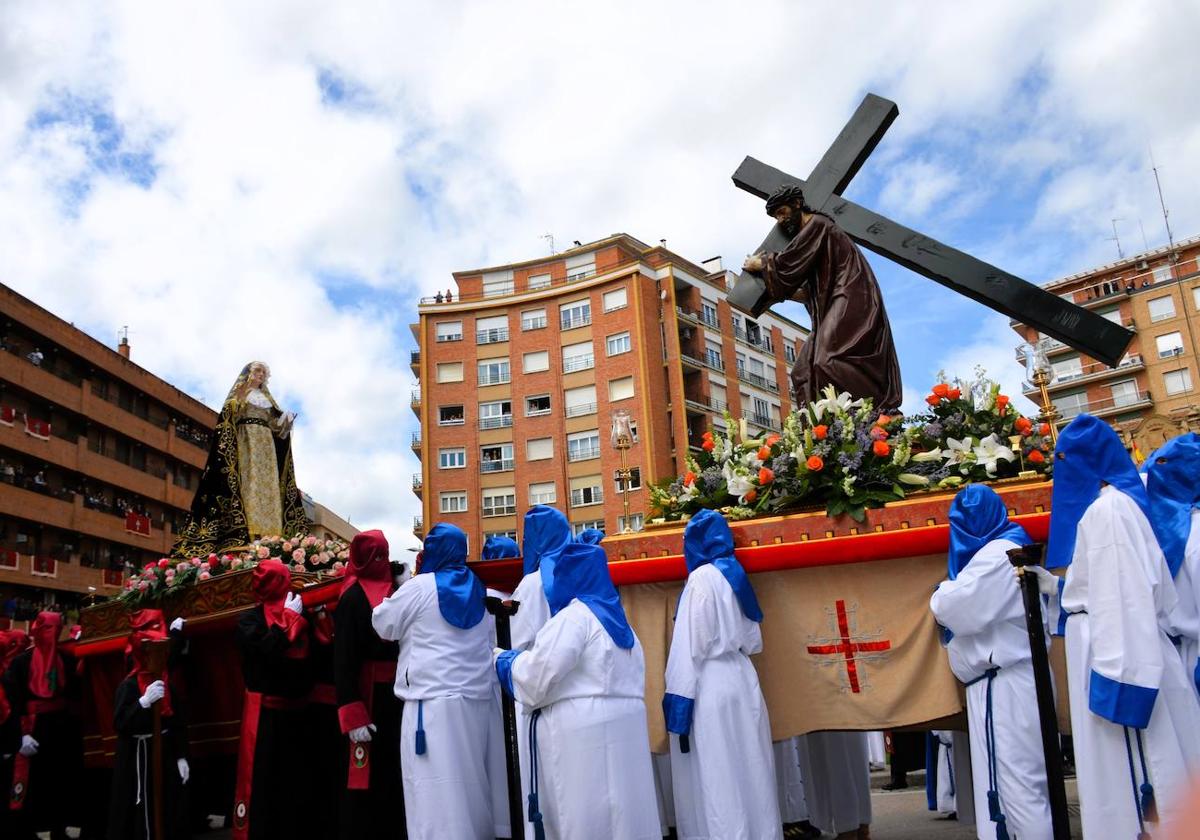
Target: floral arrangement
<point>169,574</point>
<point>840,453</point>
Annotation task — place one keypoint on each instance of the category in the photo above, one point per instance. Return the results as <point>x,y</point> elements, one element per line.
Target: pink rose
<point>323,557</point>
<point>310,541</point>
<point>143,585</point>
<point>286,547</point>
<point>163,563</point>
<point>298,555</point>
<point>226,560</point>
<point>299,567</point>
<point>263,552</point>
<point>205,576</point>
<point>181,568</point>
<point>196,561</point>
<point>343,555</point>
<point>235,563</point>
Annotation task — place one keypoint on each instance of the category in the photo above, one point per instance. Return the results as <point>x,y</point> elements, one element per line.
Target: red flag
<point>45,566</point>
<point>8,415</point>
<point>8,559</point>
<point>40,429</point>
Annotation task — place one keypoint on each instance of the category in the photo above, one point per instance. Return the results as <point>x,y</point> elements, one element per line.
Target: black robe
<point>378,812</point>
<point>58,765</point>
<point>127,819</point>
<point>323,737</point>
<point>851,344</point>
<point>10,742</point>
<point>282,754</point>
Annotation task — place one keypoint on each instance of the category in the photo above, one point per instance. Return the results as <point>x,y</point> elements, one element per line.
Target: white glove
<point>177,625</point>
<point>29,747</point>
<point>185,772</point>
<point>1047,583</point>
<point>294,603</point>
<point>361,734</point>
<point>154,693</point>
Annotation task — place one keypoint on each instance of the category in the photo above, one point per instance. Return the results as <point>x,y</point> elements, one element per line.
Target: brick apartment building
<point>1157,295</point>
<point>99,460</point>
<point>522,367</point>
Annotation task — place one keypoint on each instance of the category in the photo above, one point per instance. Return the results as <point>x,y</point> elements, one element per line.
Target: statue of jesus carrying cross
<point>851,345</point>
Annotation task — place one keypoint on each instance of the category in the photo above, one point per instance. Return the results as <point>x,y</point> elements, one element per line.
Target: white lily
<point>959,451</point>
<point>932,455</point>
<point>739,485</point>
<point>913,479</point>
<point>689,492</point>
<point>833,403</point>
<point>991,451</point>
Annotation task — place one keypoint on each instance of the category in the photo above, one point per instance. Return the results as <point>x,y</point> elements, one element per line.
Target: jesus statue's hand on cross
<point>754,263</point>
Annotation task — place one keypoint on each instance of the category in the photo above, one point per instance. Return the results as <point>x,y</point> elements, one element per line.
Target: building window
<point>580,401</point>
<point>454,501</point>
<point>536,362</point>
<point>1196,297</point>
<point>543,493</point>
<point>533,319</point>
<point>577,314</point>
<point>500,283</point>
<point>496,458</point>
<point>1161,308</point>
<point>499,501</point>
<point>635,479</point>
<point>580,267</point>
<point>587,494</point>
<point>511,534</point>
<point>740,359</point>
<point>450,372</point>
<point>578,528</point>
<point>450,415</point>
<point>494,372</point>
<point>583,446</point>
<point>712,355</point>
<point>537,406</point>
<point>1178,381</point>
<point>1162,274</point>
<point>578,357</point>
<point>491,330</point>
<point>452,459</point>
<point>708,313</point>
<point>789,352</point>
<point>616,299</point>
<point>620,389</point>
<point>1067,369</point>
<point>1124,393</point>
<point>636,522</point>
<point>539,281</point>
<point>449,331</point>
<point>617,344</point>
<point>495,415</point>
<point>1069,405</point>
<point>539,449</point>
<point>1169,345</point>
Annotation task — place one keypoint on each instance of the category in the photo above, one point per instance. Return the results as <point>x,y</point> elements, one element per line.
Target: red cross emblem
<point>847,644</point>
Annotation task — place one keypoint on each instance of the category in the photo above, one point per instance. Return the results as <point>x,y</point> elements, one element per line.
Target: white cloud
<point>479,127</point>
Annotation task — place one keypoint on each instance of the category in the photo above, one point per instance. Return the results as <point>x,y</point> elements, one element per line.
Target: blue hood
<point>500,548</point>
<point>460,593</point>
<point>1173,486</point>
<point>591,536</point>
<point>547,533</point>
<point>978,516</point>
<point>1088,454</point>
<point>581,572</point>
<point>708,539</point>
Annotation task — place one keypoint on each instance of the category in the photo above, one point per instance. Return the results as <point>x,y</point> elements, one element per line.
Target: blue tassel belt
<point>995,812</point>
<point>1143,794</point>
<point>535,815</point>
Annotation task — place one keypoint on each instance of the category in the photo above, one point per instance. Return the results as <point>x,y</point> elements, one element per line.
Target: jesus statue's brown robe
<point>851,345</point>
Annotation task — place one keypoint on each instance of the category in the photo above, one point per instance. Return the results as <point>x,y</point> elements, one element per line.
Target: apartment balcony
<point>415,402</point>
<point>580,410</point>
<point>691,361</point>
<point>504,421</point>
<point>759,381</point>
<point>1107,407</point>
<point>62,575</point>
<point>416,443</point>
<point>1052,346</point>
<point>418,485</point>
<point>764,422</point>
<point>493,336</point>
<point>1095,372</point>
<point>705,404</point>
<point>67,513</point>
<point>414,363</point>
<point>584,454</point>
<point>497,465</point>
<point>578,363</point>
<point>760,343</point>
<point>418,527</point>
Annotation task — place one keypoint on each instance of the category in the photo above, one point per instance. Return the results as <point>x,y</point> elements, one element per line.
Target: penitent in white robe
<point>837,779</point>
<point>1184,621</point>
<point>946,793</point>
<point>445,677</point>
<point>593,754</point>
<point>982,607</point>
<point>1119,596</point>
<point>532,614</point>
<point>789,781</point>
<point>725,786</point>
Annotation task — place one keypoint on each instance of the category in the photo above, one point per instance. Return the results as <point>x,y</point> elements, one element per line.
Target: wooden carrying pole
<point>156,652</point>
<point>503,611</point>
<point>1031,555</point>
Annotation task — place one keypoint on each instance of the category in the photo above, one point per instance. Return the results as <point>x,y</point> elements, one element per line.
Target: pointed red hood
<point>369,566</point>
<point>46,672</point>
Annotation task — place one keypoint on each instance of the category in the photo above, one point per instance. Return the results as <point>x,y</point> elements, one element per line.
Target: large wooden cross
<point>1073,325</point>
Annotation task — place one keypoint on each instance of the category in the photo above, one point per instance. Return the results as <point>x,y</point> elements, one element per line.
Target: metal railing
<point>441,339</point>
<point>713,360</point>
<point>764,422</point>
<point>416,398</point>
<point>573,321</point>
<point>579,363</point>
<point>580,410</point>
<point>584,454</point>
<point>492,336</point>
<point>498,510</point>
<point>415,358</point>
<point>501,378</point>
<point>504,421</point>
<point>533,323</point>
<point>418,525</point>
<point>416,440</point>
<point>1103,407</point>
<point>578,499</point>
<point>496,465</point>
<point>709,402</point>
<point>417,481</point>
<point>760,381</point>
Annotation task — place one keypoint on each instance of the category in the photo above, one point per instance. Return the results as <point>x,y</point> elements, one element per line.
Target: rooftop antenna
<point>1145,241</point>
<point>549,237</point>
<point>1117,238</point>
<point>123,334</point>
<point>1166,213</point>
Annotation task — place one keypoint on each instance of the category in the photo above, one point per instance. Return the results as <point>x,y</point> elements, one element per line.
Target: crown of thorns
<point>790,194</point>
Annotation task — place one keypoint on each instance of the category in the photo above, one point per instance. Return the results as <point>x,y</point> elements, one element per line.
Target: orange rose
<point>750,496</point>
<point>1044,429</point>
<point>878,433</point>
<point>765,476</point>
<point>819,432</point>
<point>772,440</point>
<point>707,436</point>
<point>815,464</point>
<point>883,420</point>
<point>1001,400</point>
<point>689,478</point>
<point>708,445</point>
<point>764,453</point>
<point>941,389</point>
<point>954,393</point>
<point>1036,457</point>
<point>933,399</point>
<point>1023,425</point>
<point>881,448</point>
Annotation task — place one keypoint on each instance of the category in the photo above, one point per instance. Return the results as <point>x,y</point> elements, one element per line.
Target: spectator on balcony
<point>39,479</point>
<point>36,357</point>
<point>438,298</point>
<point>449,296</point>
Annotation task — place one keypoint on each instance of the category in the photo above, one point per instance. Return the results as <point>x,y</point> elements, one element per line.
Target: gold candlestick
<point>1049,414</point>
<point>1015,440</point>
<point>622,440</point>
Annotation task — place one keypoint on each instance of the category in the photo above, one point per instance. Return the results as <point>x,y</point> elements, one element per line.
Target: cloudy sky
<point>282,180</point>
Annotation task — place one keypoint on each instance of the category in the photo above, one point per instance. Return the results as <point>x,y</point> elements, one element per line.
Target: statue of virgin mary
<point>248,489</point>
